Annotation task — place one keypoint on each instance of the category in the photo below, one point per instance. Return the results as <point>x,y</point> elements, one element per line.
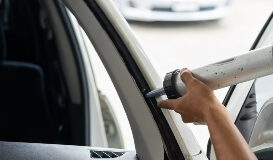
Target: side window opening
<point>117,127</point>
<point>115,123</point>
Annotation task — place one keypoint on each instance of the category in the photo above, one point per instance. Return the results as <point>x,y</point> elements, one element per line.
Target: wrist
<point>214,108</point>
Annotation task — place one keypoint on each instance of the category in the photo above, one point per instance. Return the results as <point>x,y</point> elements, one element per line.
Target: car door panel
<point>17,151</point>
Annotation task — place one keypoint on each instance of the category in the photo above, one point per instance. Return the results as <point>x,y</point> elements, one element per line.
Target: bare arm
<point>226,138</point>
<point>199,104</point>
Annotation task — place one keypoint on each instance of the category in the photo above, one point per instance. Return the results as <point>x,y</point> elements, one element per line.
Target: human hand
<point>199,104</point>
<point>196,103</point>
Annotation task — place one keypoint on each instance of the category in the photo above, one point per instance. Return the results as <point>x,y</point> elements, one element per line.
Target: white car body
<point>173,10</point>
<point>158,134</point>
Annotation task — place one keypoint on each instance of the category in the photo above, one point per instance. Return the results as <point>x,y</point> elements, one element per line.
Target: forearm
<point>227,141</point>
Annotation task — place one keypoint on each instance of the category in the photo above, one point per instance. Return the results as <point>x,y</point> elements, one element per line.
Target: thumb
<point>186,76</point>
<point>167,104</point>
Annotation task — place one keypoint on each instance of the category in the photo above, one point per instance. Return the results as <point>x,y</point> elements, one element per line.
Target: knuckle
<point>168,105</point>
<point>186,74</point>
<point>174,107</point>
<point>195,81</point>
<point>183,69</point>
<point>163,103</point>
<point>210,90</point>
<point>186,77</point>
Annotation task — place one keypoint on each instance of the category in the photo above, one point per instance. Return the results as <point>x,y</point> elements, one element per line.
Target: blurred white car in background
<point>173,10</point>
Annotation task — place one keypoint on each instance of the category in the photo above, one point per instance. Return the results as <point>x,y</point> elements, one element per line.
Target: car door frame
<point>177,131</point>
<point>146,135</point>
<point>169,146</point>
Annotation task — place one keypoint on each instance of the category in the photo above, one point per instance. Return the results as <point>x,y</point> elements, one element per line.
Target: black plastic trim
<point>228,95</point>
<point>262,32</point>
<point>171,146</point>
<point>81,72</point>
<point>208,148</point>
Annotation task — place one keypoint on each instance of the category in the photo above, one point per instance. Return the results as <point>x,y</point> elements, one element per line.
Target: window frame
<point>106,47</point>
<point>171,147</point>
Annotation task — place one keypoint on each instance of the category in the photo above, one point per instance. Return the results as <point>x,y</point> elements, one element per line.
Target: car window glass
<point>264,85</point>
<point>267,38</point>
<point>262,131</point>
<point>264,90</point>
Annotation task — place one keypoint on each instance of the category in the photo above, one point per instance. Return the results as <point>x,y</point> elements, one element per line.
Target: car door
<point>250,105</point>
<point>158,134</point>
